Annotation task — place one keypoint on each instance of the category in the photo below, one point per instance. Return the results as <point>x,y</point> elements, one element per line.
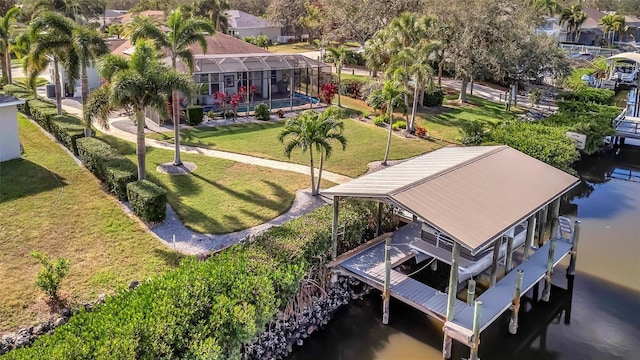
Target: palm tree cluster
<point>573,17</point>
<point>613,24</point>
<point>311,131</point>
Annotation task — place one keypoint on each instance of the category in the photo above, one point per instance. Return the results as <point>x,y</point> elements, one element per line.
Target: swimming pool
<point>298,100</point>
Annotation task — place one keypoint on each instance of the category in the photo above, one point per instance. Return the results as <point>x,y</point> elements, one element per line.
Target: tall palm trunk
<point>141,150</point>
<point>3,62</point>
<point>7,65</point>
<point>176,121</point>
<point>56,77</point>
<point>463,90</point>
<point>414,108</point>
<point>386,152</point>
<point>314,191</point>
<point>339,68</point>
<point>440,69</point>
<point>320,171</point>
<point>84,81</point>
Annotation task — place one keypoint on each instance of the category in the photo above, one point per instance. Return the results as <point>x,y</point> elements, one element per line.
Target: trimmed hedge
<point>148,200</point>
<point>67,129</point>
<point>119,171</point>
<point>106,164</point>
<point>433,97</point>
<point>206,309</point>
<point>42,111</point>
<point>195,114</point>
<point>94,153</point>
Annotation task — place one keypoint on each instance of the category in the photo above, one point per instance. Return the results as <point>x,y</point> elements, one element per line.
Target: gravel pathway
<point>194,243</point>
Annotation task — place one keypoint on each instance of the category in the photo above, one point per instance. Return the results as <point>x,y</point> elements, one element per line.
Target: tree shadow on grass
<point>172,258</point>
<point>21,178</point>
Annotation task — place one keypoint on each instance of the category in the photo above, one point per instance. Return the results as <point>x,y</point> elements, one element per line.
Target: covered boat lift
<point>475,196</point>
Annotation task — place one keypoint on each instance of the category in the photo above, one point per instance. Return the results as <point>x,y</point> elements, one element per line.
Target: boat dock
<point>472,199</point>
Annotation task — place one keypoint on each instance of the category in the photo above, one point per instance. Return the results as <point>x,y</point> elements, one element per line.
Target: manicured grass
<point>50,204</point>
<point>293,48</point>
<point>221,196</point>
<point>366,143</point>
<point>346,74</point>
<point>443,123</point>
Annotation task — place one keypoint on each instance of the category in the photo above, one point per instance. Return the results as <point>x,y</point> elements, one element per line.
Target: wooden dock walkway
<point>498,299</point>
<point>628,127</point>
<point>368,266</point>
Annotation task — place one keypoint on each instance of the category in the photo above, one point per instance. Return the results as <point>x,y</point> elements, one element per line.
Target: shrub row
<point>108,165</point>
<point>148,200</point>
<point>67,129</point>
<point>353,88</point>
<point>205,309</point>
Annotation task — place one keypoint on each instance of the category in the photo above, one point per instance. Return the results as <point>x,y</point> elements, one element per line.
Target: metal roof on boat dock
<point>472,194</point>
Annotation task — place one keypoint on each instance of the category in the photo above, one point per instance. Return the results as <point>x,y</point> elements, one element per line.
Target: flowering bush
<point>327,92</point>
<point>421,132</point>
<point>220,98</point>
<point>235,100</point>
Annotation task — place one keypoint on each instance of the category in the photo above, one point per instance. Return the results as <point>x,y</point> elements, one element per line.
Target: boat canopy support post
<point>509,261</point>
<point>494,263</point>
<point>471,292</point>
<point>531,232</point>
<point>571,270</point>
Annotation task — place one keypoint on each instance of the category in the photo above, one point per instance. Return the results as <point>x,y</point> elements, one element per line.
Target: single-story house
<point>279,80</point>
<point>242,24</point>
<point>9,140</point>
<point>633,29</point>
<point>552,27</point>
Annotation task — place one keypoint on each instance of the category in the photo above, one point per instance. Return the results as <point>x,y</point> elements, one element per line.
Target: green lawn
<point>49,203</point>
<point>221,196</point>
<point>293,48</point>
<point>444,122</point>
<point>366,143</point>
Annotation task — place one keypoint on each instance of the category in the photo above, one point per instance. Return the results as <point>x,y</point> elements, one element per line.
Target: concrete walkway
<point>246,159</point>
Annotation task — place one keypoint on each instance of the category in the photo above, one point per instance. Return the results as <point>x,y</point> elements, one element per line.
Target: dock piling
<point>571,270</point>
<point>542,225</point>
<point>471,292</point>
<point>387,281</point>
<point>531,232</point>
<point>451,297</point>
<point>546,292</point>
<point>475,345</point>
<point>515,306</point>
<point>379,219</point>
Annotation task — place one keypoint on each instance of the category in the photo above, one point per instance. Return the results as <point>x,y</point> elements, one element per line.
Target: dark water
<point>604,321</point>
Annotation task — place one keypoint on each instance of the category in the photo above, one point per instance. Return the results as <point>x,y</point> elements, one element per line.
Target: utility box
<point>51,91</point>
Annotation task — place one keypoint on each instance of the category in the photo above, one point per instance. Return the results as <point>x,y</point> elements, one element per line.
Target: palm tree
<point>140,82</point>
<point>574,17</point>
<point>619,26</point>
<point>375,52</point>
<point>341,56</point>
<point>416,62</point>
<point>79,11</point>
<point>314,130</point>
<point>7,22</point>
<point>51,38</point>
<point>215,11</point>
<point>87,45</point>
<point>183,32</point>
<point>393,96</point>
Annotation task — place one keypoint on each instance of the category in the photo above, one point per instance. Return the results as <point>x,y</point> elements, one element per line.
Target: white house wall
<point>272,32</point>
<point>9,140</point>
<point>92,75</point>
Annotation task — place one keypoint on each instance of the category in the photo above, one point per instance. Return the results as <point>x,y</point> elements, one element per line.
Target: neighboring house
<point>552,27</point>
<point>242,24</point>
<point>9,140</point>
<point>107,17</point>
<point>231,63</point>
<point>92,73</point>
<point>128,17</point>
<point>633,29</point>
<point>590,32</point>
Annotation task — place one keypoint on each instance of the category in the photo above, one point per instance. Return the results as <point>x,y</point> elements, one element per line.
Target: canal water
<point>604,321</point>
